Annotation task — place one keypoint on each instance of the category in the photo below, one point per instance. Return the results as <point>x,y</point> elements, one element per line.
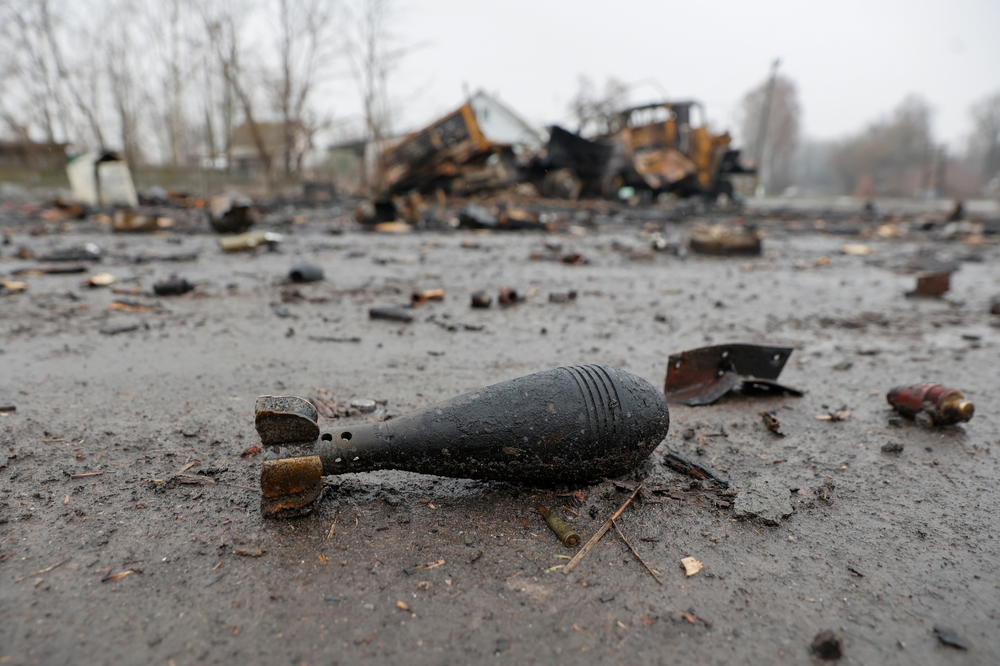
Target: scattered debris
<point>250,451</point>
<point>652,572</point>
<point>856,249</point>
<point>950,637</point>
<point>12,286</point>
<point>85,252</point>
<point>691,566</point>
<point>765,499</point>
<point>116,330</point>
<point>772,423</point>
<point>364,405</point>
<point>562,296</point>
<point>305,272</point>
<point>828,645</point>
<point>566,534</point>
<point>509,296</point>
<point>391,312</point>
<point>693,469</point>
<point>995,305</point>
<point>7,408</point>
<point>933,284</point>
<point>249,552</point>
<point>172,286</point>
<point>126,220</point>
<point>231,214</point>
<point>111,578</point>
<point>835,416</point>
<point>334,338</point>
<point>421,297</point>
<point>250,240</point>
<point>403,606</point>
<point>892,447</point>
<point>101,280</point>
<point>938,403</point>
<point>130,306</point>
<point>720,239</point>
<point>601,531</point>
<point>481,300</point>
<point>702,376</point>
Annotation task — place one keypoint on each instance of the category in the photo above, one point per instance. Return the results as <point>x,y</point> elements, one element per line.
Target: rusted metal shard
<point>693,469</point>
<point>943,405</point>
<point>702,376</point>
<point>564,425</point>
<point>932,284</point>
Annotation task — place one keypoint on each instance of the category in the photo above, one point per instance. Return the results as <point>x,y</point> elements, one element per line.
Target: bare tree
<point>372,62</point>
<point>304,44</point>
<point>895,156</point>
<point>223,33</point>
<point>775,127</point>
<point>591,110</point>
<point>984,142</point>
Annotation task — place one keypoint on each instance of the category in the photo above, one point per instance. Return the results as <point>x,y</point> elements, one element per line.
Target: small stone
<point>950,638</point>
<point>892,447</point>
<point>828,645</point>
<point>764,499</point>
<point>364,405</point>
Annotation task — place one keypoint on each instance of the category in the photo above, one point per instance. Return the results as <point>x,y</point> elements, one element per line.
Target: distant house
<point>246,157</point>
<point>32,155</point>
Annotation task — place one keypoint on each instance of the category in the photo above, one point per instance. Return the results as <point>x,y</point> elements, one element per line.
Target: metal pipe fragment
<point>566,534</point>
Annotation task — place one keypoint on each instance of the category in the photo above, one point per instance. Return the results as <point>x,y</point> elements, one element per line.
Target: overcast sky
<point>853,60</point>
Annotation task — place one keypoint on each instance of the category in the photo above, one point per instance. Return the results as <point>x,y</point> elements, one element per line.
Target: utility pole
<point>765,122</point>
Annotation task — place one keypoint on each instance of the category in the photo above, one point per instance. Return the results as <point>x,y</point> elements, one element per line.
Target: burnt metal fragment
<point>772,423</point>
<point>693,469</point>
<point>481,300</point>
<point>566,534</point>
<point>229,214</point>
<point>172,286</point>
<point>943,405</point>
<point>702,376</point>
<point>391,313</point>
<point>562,296</point>
<point>508,296</point>
<point>932,284</point>
<point>305,272</point>
<point>563,425</point>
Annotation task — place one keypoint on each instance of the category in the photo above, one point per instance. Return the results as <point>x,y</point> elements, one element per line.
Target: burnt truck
<point>484,145</point>
<point>657,148</point>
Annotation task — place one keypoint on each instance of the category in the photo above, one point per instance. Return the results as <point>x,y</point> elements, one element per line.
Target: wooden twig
<point>41,571</point>
<point>652,572</point>
<point>600,533</point>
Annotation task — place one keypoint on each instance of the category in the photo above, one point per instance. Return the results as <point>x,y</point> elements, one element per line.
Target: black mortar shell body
<point>566,534</point>
<point>564,425</point>
<point>305,272</point>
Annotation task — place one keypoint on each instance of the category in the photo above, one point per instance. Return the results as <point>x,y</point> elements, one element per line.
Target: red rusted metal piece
<point>944,405</point>
<point>702,376</point>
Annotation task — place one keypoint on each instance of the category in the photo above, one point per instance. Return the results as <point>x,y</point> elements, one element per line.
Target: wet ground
<point>130,529</point>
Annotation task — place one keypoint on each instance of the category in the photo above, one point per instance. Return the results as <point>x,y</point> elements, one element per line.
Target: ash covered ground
<point>130,528</point>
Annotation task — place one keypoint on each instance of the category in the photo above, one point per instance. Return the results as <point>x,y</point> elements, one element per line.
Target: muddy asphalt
<point>130,529</point>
